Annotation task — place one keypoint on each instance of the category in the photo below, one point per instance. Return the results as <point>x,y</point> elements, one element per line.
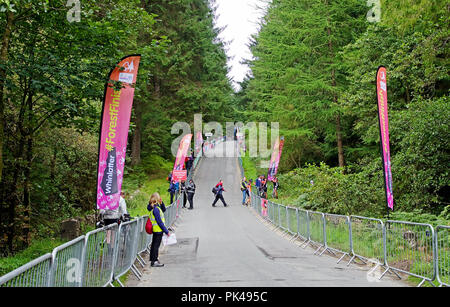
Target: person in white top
<point>115,216</point>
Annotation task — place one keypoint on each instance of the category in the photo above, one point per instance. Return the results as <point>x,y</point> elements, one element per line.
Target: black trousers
<point>219,196</point>
<point>184,200</point>
<point>171,197</point>
<point>190,197</point>
<point>154,248</point>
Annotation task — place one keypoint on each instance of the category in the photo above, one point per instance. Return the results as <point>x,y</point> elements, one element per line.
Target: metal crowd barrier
<point>442,243</point>
<point>366,230</point>
<point>410,249</point>
<point>66,264</point>
<point>338,234</point>
<point>414,249</point>
<point>98,256</point>
<point>126,249</point>
<point>96,259</point>
<point>35,273</point>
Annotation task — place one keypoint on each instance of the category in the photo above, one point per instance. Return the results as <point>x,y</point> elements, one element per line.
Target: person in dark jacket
<point>189,163</point>
<point>190,190</point>
<point>172,190</point>
<point>157,208</point>
<point>276,185</point>
<point>263,188</point>
<point>219,190</point>
<point>183,192</point>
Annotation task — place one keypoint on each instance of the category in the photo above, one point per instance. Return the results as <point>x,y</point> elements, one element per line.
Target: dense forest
<point>314,73</point>
<point>52,78</point>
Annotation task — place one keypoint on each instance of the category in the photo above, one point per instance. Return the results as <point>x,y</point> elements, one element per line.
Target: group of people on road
<point>261,188</point>
<point>156,206</point>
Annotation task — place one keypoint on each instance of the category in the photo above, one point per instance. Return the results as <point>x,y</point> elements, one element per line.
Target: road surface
<point>232,247</point>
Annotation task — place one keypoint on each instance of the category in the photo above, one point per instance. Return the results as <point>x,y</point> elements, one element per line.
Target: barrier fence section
<point>96,259</point>
<point>66,264</point>
<point>410,249</point>
<point>367,240</point>
<point>35,273</point>
<point>98,256</point>
<point>414,249</point>
<point>442,243</point>
<point>338,233</point>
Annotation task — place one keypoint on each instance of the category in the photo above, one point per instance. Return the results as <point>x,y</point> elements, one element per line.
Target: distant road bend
<point>231,247</point>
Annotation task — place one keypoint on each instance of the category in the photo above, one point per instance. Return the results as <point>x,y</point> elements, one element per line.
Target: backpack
<point>149,227</point>
<point>214,190</point>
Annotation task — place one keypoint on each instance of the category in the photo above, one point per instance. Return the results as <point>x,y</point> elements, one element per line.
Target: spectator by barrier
<point>98,258</point>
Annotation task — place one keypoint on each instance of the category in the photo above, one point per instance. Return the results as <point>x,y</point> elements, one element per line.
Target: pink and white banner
<point>198,143</point>
<point>384,134</point>
<point>275,159</point>
<point>114,131</point>
<point>178,166</point>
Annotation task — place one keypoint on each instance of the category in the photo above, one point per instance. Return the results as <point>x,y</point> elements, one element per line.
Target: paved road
<point>231,247</point>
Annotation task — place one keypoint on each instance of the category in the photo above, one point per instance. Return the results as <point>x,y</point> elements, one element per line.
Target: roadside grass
<point>37,249</point>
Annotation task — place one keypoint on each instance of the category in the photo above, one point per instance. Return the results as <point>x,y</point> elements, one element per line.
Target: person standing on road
<point>183,192</point>
<point>219,190</point>
<point>276,185</point>
<point>263,188</point>
<point>189,163</point>
<point>190,189</point>
<point>244,190</point>
<point>258,184</point>
<point>249,192</point>
<point>172,190</point>
<point>157,208</point>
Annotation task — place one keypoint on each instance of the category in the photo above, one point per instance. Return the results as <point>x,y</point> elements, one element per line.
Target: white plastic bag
<point>169,240</point>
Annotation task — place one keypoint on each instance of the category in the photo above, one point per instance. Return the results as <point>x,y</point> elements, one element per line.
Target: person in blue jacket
<point>258,184</point>
<point>172,190</point>
<point>157,208</point>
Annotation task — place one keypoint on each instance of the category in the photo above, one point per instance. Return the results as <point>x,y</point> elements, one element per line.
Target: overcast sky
<point>241,18</point>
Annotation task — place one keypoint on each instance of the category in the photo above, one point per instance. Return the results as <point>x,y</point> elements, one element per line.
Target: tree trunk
<point>339,141</point>
<point>27,175</point>
<point>12,196</point>
<point>3,59</point>
<point>340,145</point>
